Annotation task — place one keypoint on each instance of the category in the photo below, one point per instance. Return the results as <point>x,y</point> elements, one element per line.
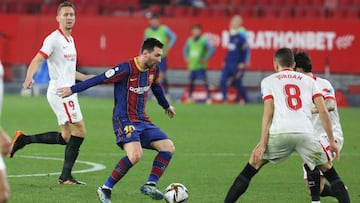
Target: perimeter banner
<point>103,41</point>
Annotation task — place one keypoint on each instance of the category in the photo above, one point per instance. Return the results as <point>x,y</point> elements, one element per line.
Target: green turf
<point>213,142</point>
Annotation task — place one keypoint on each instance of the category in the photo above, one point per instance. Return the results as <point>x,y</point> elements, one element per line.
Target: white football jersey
<point>328,92</point>
<point>60,52</point>
<point>293,95</point>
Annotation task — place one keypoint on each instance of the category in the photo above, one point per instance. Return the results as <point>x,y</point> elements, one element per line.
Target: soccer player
<point>314,183</point>
<point>132,126</point>
<point>236,61</point>
<point>197,51</point>
<point>5,143</point>
<point>167,37</point>
<point>59,50</point>
<point>287,127</point>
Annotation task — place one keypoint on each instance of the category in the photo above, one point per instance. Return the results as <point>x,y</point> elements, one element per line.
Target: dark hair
<point>154,16</point>
<point>150,43</point>
<point>302,60</point>
<point>284,57</point>
<point>196,26</point>
<point>65,4</point>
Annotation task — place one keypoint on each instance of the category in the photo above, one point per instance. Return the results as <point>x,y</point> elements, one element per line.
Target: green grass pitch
<point>213,143</point>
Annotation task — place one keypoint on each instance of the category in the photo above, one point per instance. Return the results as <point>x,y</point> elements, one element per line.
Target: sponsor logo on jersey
<point>139,90</point>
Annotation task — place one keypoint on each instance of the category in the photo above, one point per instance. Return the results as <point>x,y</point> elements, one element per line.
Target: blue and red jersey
<point>131,87</point>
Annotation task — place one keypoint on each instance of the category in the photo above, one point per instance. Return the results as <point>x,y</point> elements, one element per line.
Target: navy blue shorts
<point>198,75</point>
<point>143,132</point>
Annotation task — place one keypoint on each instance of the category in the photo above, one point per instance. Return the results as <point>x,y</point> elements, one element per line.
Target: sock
<point>240,184</point>
<point>71,153</point>
<point>121,168</point>
<point>46,138</point>
<point>160,163</point>
<point>191,89</point>
<point>313,178</point>
<point>337,186</point>
<point>327,191</point>
<point>207,91</point>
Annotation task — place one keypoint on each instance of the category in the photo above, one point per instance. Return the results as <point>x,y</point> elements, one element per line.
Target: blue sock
<point>121,168</point>
<point>160,163</point>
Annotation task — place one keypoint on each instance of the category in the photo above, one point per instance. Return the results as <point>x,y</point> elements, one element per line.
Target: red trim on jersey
<point>67,112</point>
<point>62,33</point>
<point>316,95</point>
<point>287,69</point>
<point>43,54</point>
<point>314,76</point>
<point>330,97</point>
<point>268,97</point>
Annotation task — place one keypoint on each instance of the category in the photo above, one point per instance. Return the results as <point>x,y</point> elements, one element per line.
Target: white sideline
<point>94,167</point>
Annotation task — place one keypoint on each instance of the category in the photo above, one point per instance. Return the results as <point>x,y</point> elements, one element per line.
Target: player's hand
<point>28,83</point>
<point>64,92</point>
<point>334,149</point>
<point>170,111</point>
<point>258,153</point>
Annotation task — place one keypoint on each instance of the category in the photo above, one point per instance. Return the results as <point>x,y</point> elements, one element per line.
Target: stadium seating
<point>247,8</point>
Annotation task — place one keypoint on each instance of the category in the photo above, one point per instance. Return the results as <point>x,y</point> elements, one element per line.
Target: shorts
<point>324,140</point>
<point>66,109</point>
<point>197,75</point>
<point>2,164</point>
<point>143,132</point>
<point>281,146</point>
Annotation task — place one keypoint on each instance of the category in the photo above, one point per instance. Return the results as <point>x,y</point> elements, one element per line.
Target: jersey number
<point>293,99</point>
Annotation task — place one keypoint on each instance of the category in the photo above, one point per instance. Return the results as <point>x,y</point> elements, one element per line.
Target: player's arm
<point>111,75</point>
<point>326,122</point>
<point>32,69</point>
<point>209,50</point>
<point>159,94</point>
<point>172,37</point>
<point>265,126</point>
<point>186,51</point>
<point>330,104</point>
<point>81,76</point>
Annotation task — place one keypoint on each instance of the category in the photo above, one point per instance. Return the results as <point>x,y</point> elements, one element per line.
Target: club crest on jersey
<point>128,130</point>
<point>109,73</point>
<point>151,78</point>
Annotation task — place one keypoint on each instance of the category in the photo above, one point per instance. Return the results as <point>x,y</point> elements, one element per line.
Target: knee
<point>135,157</point>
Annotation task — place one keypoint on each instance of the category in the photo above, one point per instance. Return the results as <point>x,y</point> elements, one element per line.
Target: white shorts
<point>281,146</point>
<point>2,164</point>
<point>66,109</point>
<point>324,140</point>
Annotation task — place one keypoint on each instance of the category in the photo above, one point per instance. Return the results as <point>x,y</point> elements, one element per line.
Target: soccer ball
<point>176,193</point>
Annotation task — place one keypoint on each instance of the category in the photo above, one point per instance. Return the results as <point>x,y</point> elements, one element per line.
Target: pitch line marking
<point>94,167</point>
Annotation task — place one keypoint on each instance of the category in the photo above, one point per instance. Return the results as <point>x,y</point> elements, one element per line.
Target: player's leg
<point>242,181</point>
<point>74,133</point>
<point>313,182</point>
<point>133,155</point>
<point>223,83</point>
<point>4,185</point>
<point>154,138</point>
<point>336,184</point>
<point>241,90</point>
<point>163,70</point>
<point>203,78</point>
<point>191,85</point>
